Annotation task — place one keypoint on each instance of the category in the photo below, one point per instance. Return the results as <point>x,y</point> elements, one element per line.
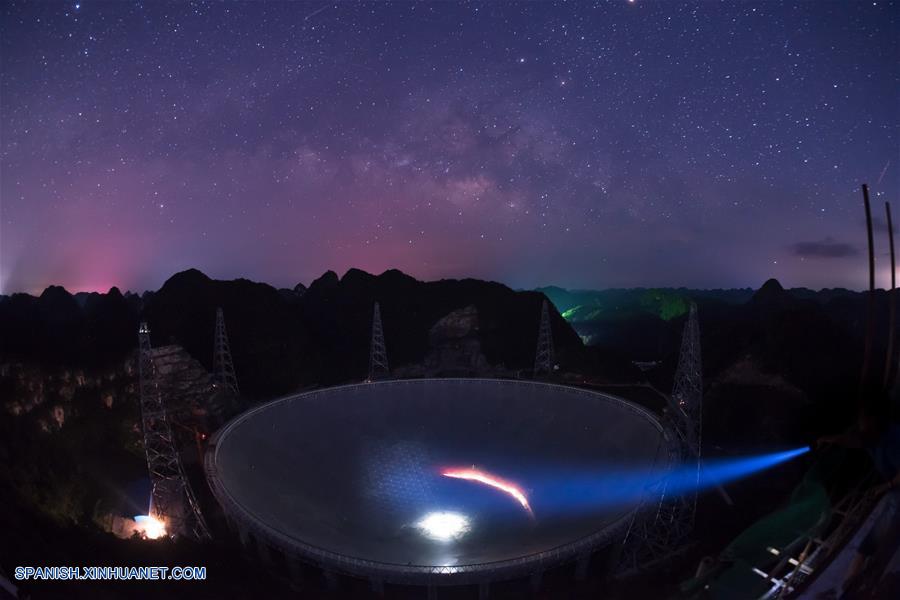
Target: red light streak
<point>492,480</point>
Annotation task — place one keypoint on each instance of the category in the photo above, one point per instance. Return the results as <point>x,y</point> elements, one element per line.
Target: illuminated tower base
<point>171,499</point>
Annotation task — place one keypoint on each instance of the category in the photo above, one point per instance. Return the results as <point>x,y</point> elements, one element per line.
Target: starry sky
<point>587,145</point>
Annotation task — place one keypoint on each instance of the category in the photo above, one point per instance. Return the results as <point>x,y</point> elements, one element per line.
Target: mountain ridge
<point>280,338</point>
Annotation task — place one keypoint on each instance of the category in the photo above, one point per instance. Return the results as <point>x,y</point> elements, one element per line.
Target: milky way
<point>585,145</point>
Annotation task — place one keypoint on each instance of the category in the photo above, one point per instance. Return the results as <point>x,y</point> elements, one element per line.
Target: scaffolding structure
<point>664,524</point>
<point>223,366</point>
<point>378,360</point>
<point>543,356</point>
<point>172,500</point>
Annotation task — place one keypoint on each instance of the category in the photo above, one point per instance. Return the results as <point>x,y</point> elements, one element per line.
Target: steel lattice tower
<point>223,367</point>
<point>687,392</point>
<point>664,525</point>
<point>543,356</point>
<point>171,497</point>
<point>378,360</point>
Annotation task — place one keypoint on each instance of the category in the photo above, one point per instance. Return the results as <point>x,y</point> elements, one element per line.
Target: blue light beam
<point>611,487</point>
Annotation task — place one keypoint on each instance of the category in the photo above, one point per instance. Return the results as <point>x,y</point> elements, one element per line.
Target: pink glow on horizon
<point>493,481</point>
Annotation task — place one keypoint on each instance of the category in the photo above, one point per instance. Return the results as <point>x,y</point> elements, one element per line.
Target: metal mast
<point>378,360</point>
<point>543,357</point>
<point>892,319</point>
<point>870,305</point>
<point>171,499</point>
<point>667,521</point>
<point>223,367</point>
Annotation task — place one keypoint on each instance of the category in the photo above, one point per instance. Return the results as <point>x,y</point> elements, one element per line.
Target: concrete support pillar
<point>331,581</point>
<point>296,573</point>
<point>535,581</point>
<point>377,586</point>
<point>432,592</point>
<point>484,591</point>
<point>262,549</point>
<point>582,566</point>
<point>243,535</point>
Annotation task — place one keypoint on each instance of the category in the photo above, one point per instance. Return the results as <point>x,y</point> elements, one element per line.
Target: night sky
<point>584,145</point>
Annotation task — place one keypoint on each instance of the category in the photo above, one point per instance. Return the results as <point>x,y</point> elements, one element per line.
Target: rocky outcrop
<point>454,347</point>
<point>52,395</point>
<point>188,387</point>
<point>747,371</point>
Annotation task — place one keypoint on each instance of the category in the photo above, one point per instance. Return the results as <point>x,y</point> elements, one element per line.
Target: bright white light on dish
<point>151,528</point>
<point>444,526</point>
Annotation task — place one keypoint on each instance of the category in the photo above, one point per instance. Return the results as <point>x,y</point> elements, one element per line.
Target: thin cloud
<point>826,248</point>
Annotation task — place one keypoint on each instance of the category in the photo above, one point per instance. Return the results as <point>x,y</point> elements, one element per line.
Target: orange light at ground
<point>152,528</point>
<point>492,480</point>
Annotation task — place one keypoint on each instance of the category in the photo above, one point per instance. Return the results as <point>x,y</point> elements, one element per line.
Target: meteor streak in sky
<point>508,487</point>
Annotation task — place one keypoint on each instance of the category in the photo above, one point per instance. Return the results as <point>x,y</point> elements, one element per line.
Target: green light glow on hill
<point>665,305</point>
<point>583,313</point>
